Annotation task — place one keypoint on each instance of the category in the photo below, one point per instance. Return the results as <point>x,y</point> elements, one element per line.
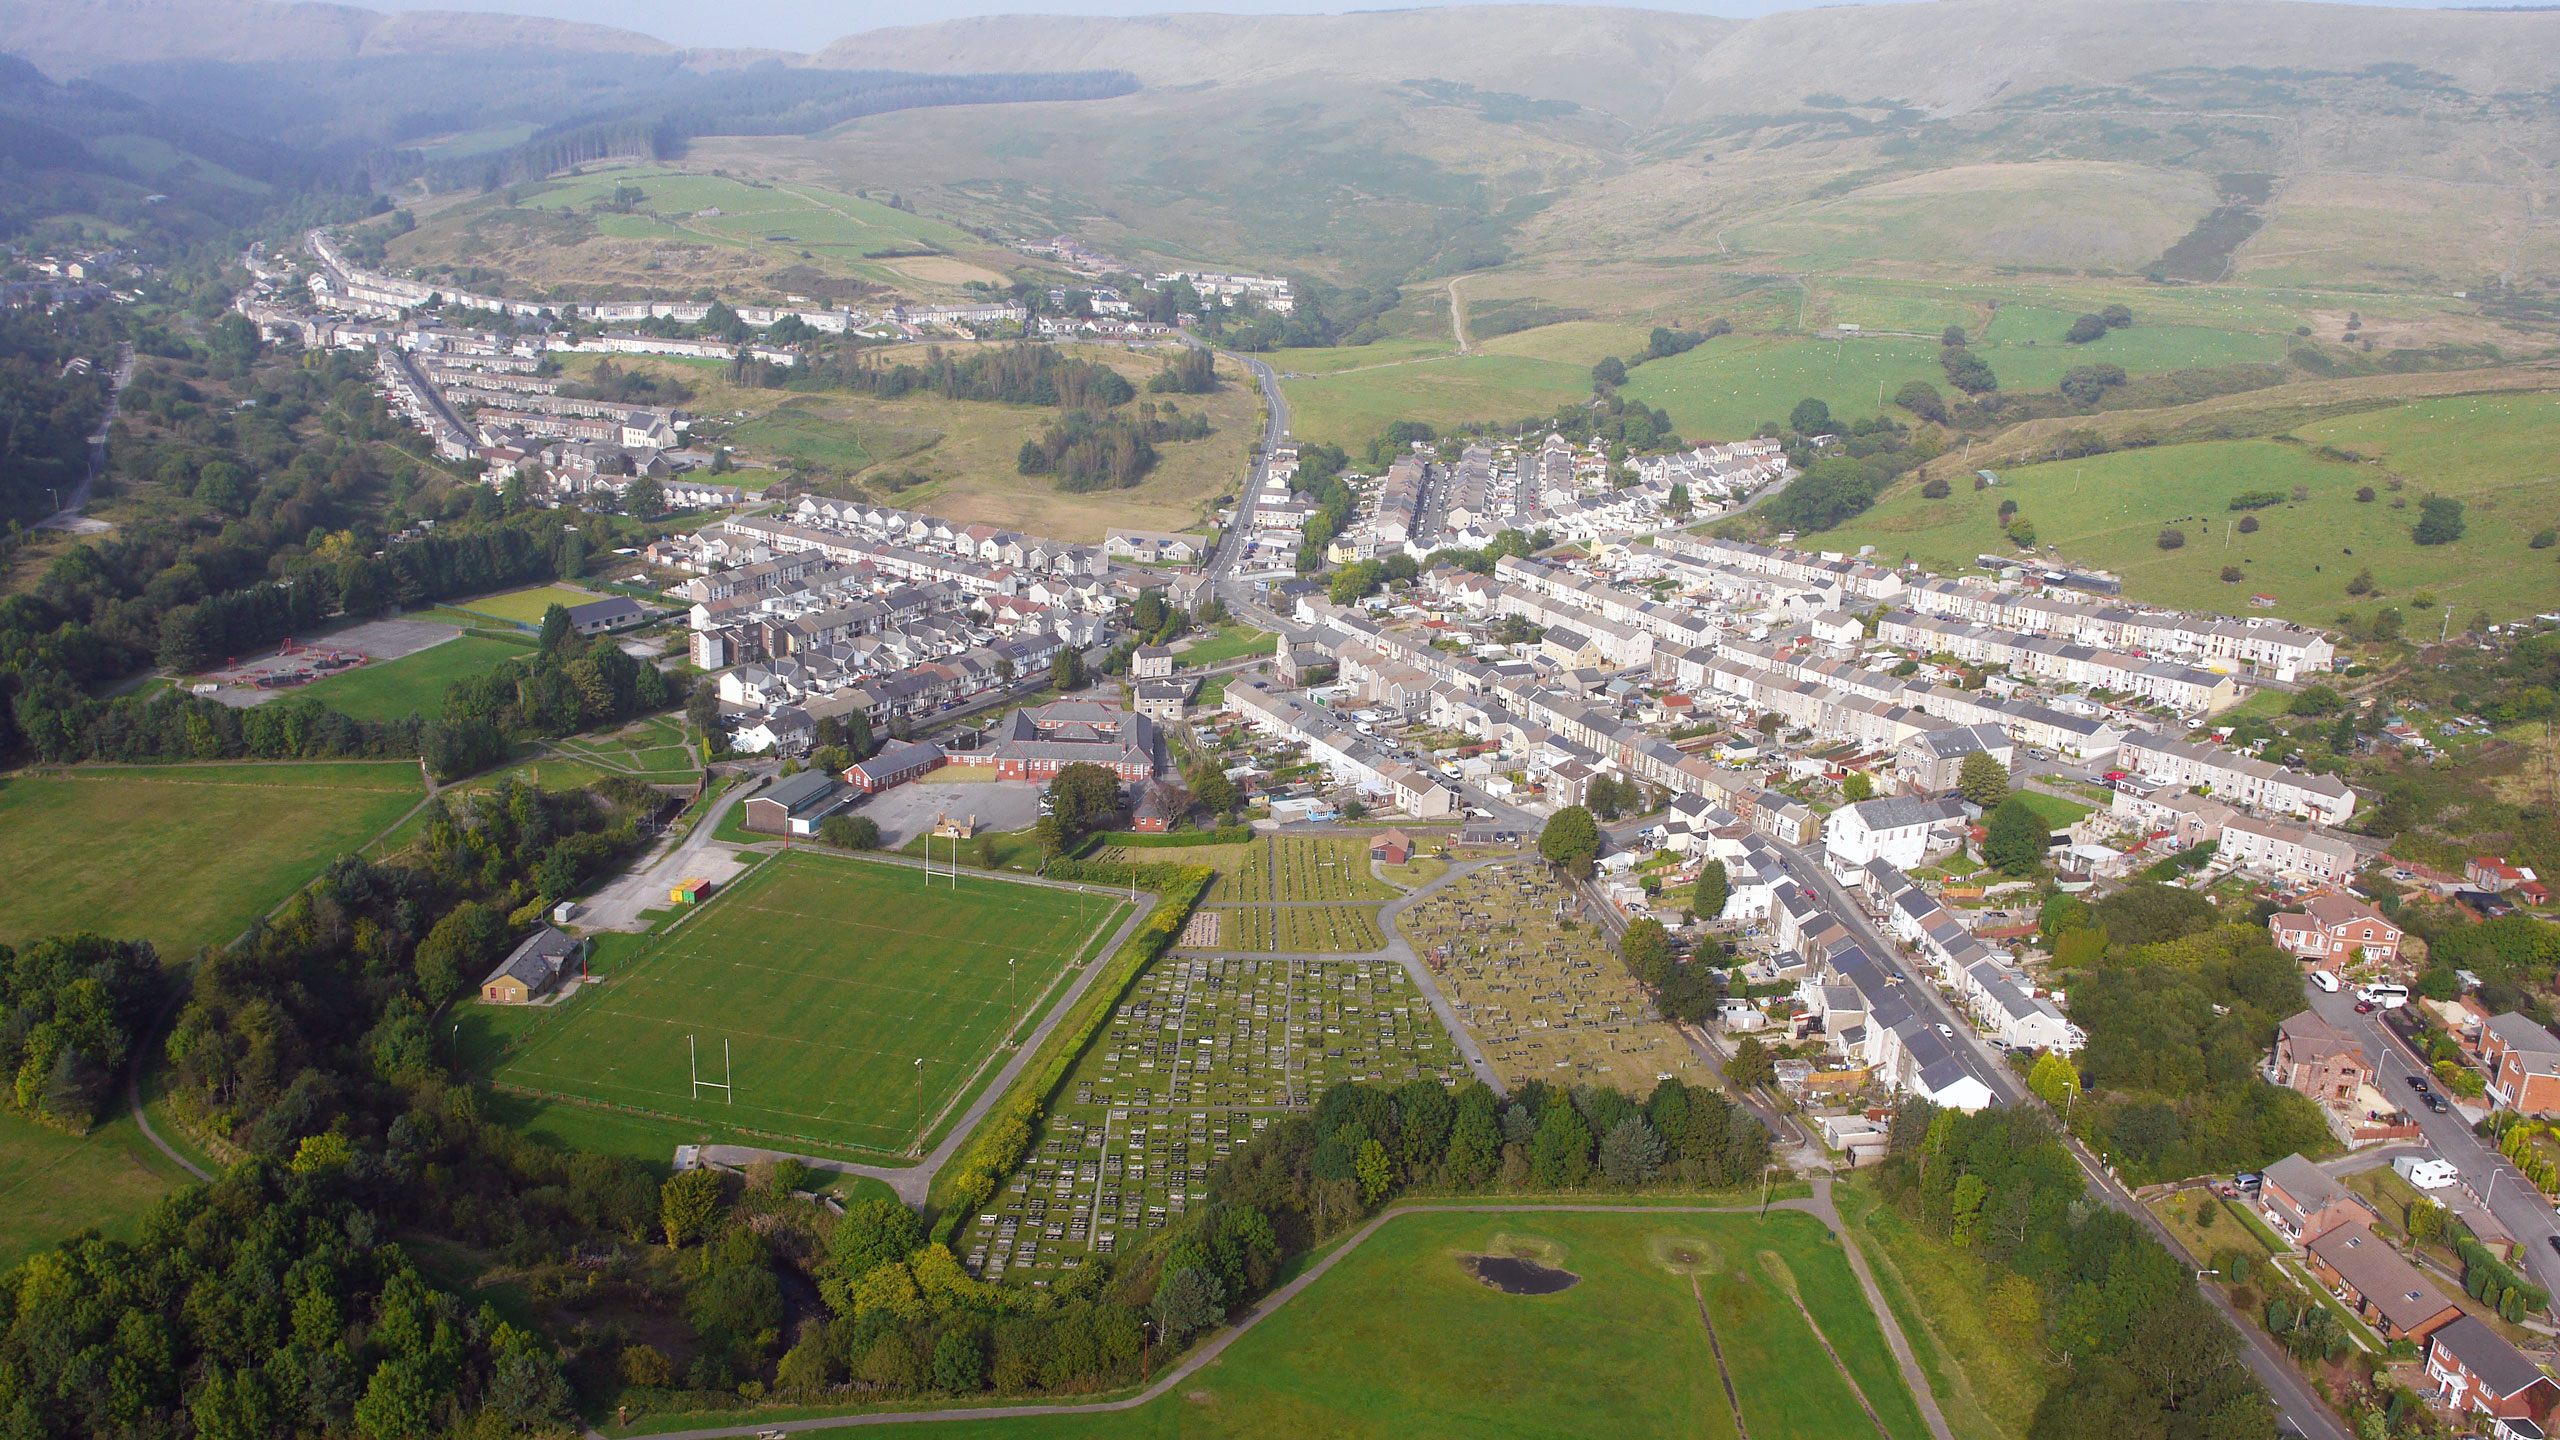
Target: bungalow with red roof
<point>2379,1284</point>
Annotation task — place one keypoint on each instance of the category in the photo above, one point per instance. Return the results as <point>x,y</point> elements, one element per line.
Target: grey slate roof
<point>2501,1367</point>
<point>537,961</point>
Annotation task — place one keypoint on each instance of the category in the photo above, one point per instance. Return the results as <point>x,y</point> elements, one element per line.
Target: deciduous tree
<point>1571,839</point>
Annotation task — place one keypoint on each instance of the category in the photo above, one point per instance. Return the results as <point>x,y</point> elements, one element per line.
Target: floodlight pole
<point>919,1104</point>
<point>728,1073</point>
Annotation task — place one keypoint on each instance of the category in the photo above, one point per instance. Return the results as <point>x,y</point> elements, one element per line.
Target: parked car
<point>2437,1103</point>
<point>2554,1240</point>
<point>2247,1182</point>
<point>2364,1007</point>
<point>1946,1031</point>
<point>2418,1083</point>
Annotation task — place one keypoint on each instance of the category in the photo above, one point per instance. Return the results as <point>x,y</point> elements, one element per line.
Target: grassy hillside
<point>2491,452</point>
<point>957,457</point>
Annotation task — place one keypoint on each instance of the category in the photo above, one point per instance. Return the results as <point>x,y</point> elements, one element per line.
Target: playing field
<point>825,980</point>
<point>414,683</point>
<point>1399,1340</point>
<point>527,606</point>
<point>180,855</point>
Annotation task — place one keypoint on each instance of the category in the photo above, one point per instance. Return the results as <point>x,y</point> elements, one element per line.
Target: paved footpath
<point>1819,1207</point>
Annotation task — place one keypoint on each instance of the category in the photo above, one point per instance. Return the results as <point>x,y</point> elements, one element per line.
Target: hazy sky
<point>806,25</point>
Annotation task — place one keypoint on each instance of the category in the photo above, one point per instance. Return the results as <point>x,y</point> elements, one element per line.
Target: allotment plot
<point>811,989</point>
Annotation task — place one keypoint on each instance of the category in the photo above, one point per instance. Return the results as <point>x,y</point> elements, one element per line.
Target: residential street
<point>2303,1412</point>
<point>2512,1198</point>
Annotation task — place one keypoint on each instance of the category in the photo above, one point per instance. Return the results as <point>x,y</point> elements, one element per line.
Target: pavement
<point>376,640</point>
<point>69,517</point>
<point>910,810</point>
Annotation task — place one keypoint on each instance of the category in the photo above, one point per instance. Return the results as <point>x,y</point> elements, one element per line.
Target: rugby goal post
<point>727,1073</point>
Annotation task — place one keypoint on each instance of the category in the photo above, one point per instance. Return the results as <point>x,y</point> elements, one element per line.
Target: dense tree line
<point>46,416</point>
<point>1011,375</point>
<point>1320,1173</point>
<point>1087,451</point>
<point>75,1006</point>
<point>272,1301</point>
<point>2142,1352</point>
<point>2179,1007</point>
<point>1192,372</point>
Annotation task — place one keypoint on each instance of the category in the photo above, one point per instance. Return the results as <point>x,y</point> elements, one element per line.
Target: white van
<point>2325,980</point>
<point>2383,997</point>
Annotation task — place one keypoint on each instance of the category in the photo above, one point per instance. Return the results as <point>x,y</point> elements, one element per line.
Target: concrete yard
<point>909,810</point>
<point>376,640</point>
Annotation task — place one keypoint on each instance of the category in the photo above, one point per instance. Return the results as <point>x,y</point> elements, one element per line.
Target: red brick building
<point>2305,1204</point>
<point>897,763</point>
<point>1035,744</point>
<point>2384,1289</point>
<point>2319,1060</point>
<point>2335,928</point>
<point>2476,1371</point>
<point>2523,1061</point>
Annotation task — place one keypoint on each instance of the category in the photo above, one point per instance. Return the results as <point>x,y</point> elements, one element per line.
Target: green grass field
<point>527,606</point>
<point>1733,384</point>
<point>2056,812</point>
<point>1351,409</point>
<point>54,1185</point>
<point>826,979</point>
<point>1399,1341</point>
<point>2109,511</point>
<point>414,683</point>
<point>811,441</point>
<point>1232,642</point>
<point>208,847</point>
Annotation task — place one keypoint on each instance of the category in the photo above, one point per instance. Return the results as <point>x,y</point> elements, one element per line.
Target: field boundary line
<point>1732,1396</point>
<point>1817,1206</point>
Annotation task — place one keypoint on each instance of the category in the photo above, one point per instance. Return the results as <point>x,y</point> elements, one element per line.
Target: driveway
<point>644,886</point>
